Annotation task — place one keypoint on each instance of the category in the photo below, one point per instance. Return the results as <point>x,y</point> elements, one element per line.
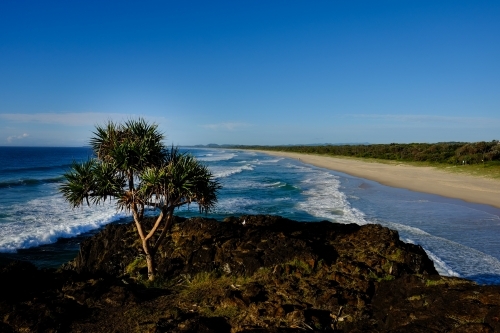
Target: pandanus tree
<point>133,166</point>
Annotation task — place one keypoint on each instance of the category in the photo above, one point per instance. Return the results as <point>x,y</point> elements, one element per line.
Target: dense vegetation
<point>448,152</point>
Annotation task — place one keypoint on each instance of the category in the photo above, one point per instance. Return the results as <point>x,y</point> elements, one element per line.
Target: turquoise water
<point>36,224</point>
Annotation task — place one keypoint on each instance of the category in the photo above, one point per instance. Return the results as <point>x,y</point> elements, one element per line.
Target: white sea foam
<point>255,161</point>
<point>283,199</point>
<point>238,206</point>
<point>272,161</point>
<point>408,240</point>
<point>223,172</point>
<point>240,185</point>
<point>450,258</point>
<point>44,220</point>
<point>406,229</point>
<point>216,157</point>
<point>441,266</point>
<point>278,184</point>
<point>325,200</point>
<point>246,184</point>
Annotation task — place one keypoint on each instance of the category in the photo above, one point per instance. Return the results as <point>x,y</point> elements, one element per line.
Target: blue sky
<point>251,72</point>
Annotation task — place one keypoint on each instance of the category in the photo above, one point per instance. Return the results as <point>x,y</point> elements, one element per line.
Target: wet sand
<point>421,179</point>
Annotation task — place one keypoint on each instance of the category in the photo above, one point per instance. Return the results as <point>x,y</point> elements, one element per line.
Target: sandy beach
<point>420,179</point>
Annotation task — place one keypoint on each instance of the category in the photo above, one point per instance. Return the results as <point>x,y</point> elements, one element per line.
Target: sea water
<point>36,223</point>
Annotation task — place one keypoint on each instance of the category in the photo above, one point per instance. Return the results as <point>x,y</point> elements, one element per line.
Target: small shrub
<point>299,265</point>
<point>228,311</point>
<point>133,269</point>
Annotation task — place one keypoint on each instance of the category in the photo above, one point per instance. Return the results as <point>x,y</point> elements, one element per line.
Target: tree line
<point>447,152</point>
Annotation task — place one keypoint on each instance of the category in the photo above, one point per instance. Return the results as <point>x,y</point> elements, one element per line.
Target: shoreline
<point>420,179</point>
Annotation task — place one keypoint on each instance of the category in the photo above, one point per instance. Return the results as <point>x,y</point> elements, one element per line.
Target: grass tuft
<point>133,269</point>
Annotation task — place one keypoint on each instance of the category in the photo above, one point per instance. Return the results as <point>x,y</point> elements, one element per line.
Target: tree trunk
<point>145,245</point>
<point>150,260</point>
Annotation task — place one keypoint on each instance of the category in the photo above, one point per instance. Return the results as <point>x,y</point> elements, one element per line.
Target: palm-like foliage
<point>133,166</point>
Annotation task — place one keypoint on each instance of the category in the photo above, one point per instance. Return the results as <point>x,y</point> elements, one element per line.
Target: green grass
<point>135,266</point>
<point>450,281</point>
<point>228,311</point>
<point>488,170</point>
<point>300,265</point>
<point>397,256</point>
<point>204,285</point>
<point>386,277</point>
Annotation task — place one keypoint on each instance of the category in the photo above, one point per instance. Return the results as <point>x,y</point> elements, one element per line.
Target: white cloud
<point>13,137</point>
<point>73,118</point>
<point>225,126</point>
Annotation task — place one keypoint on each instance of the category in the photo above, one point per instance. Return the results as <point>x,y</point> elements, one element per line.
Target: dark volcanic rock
<point>30,300</point>
<point>198,244</point>
<point>267,274</point>
<point>420,304</point>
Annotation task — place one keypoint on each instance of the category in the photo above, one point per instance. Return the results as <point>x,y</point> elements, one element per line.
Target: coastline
<point>419,179</point>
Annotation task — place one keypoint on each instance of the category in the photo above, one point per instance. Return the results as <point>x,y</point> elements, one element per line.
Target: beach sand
<point>421,179</point>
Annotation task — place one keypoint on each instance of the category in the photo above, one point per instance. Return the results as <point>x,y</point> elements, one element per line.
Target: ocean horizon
<point>36,224</point>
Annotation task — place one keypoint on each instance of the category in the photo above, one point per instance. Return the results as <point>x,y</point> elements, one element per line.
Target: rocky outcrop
<point>245,244</point>
<point>247,274</point>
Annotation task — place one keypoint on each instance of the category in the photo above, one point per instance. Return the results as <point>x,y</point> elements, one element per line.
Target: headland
<point>247,274</point>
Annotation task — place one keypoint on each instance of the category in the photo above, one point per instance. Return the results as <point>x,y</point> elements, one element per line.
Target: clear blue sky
<point>251,72</point>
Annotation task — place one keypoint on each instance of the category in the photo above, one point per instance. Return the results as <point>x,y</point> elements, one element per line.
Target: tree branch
<point>165,229</point>
<point>155,227</point>
<point>137,222</point>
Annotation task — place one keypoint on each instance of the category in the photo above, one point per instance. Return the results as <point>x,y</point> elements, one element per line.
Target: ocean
<point>36,224</point>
